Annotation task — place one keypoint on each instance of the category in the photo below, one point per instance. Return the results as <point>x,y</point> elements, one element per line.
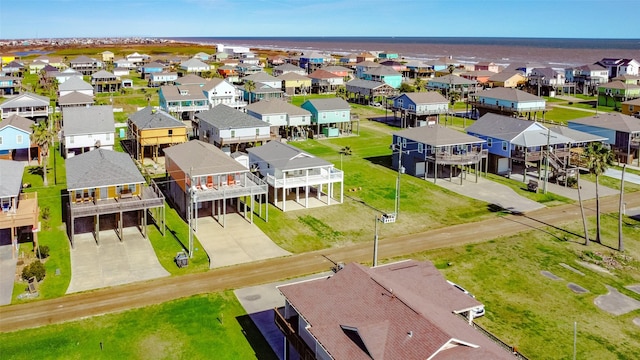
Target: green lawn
<point>535,313</point>
<point>563,115</point>
<point>213,326</point>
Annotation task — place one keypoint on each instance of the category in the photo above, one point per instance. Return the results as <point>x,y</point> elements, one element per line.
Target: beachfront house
<point>365,66</point>
<point>507,101</point>
<point>152,130</point>
<point>203,176</point>
<point>230,129</point>
<point>434,149</point>
<point>15,138</point>
<point>507,79</point>
<point>514,143</point>
<point>87,128</point>
<point>290,171</point>
<point>107,192</point>
<point>27,105</point>
<point>622,133</point>
<point>331,116</point>
<point>312,61</point>
<point>19,212</point>
<point>183,100</point>
<point>615,92</point>
<point>419,109</point>
<point>453,84</point>
<point>617,67</point>
<point>587,77</point>
<point>323,81</point>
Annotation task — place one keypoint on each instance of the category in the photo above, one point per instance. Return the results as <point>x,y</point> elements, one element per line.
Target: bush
<point>572,182</point>
<point>42,252</point>
<point>36,269</point>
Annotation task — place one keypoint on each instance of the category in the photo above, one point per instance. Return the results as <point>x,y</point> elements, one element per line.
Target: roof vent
<point>410,334</point>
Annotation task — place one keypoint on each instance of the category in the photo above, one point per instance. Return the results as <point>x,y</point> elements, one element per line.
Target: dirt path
<point>77,306</point>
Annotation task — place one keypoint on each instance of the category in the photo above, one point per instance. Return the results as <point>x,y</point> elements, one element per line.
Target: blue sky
<point>221,18</point>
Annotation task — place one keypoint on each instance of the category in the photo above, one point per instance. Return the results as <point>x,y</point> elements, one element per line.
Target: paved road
<point>617,174</point>
<point>77,306</point>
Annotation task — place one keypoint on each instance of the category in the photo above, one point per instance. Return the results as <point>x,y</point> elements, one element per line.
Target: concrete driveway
<point>7,274</point>
<point>628,177</point>
<point>490,192</point>
<point>239,242</point>
<point>113,262</point>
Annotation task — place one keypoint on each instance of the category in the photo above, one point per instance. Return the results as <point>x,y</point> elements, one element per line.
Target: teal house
<point>331,116</point>
<point>385,75</point>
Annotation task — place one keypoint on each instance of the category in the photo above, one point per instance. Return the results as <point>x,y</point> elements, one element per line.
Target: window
<point>404,143</point>
<point>233,133</point>
<point>420,147</point>
<point>489,142</point>
<point>504,145</point>
<point>170,131</point>
<point>257,132</point>
<point>0,140</point>
<point>18,139</point>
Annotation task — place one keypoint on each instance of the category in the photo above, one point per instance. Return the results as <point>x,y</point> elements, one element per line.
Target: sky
<point>20,19</point>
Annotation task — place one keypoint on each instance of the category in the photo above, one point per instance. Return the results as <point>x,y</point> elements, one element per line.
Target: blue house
<point>311,61</point>
<point>436,149</point>
<point>15,138</point>
<point>513,142</point>
<point>622,133</point>
<point>386,75</point>
<point>418,109</point>
<point>151,68</point>
<point>331,116</point>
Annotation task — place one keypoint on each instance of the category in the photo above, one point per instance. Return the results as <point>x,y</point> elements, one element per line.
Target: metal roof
<point>151,118</point>
<point>438,136</point>
<point>225,117</point>
<point>613,121</point>
<point>275,106</point>
<point>199,158</point>
<point>11,178</point>
<point>516,131</point>
<point>286,157</point>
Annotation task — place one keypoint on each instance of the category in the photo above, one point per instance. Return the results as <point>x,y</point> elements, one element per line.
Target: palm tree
<point>42,136</point>
<point>341,92</point>
<point>419,84</point>
<point>249,87</point>
<point>599,157</point>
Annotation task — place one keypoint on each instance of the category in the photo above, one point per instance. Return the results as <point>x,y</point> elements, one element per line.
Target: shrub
<point>42,252</point>
<point>36,269</point>
<point>572,182</point>
<point>45,213</point>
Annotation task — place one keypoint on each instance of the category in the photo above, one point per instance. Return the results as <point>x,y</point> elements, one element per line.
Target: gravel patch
<point>550,275</point>
<point>615,302</point>
<point>577,288</point>
<point>572,269</point>
<point>634,288</point>
<point>594,267</point>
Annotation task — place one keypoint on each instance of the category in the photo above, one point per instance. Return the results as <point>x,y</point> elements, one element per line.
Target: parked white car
<point>477,311</point>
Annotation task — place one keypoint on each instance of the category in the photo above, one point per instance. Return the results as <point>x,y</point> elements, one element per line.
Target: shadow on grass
<point>175,236</point>
<point>259,344</point>
<point>36,170</point>
<point>384,160</point>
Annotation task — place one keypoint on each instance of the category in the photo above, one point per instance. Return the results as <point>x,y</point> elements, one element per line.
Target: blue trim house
<point>384,74</point>
<point>311,61</point>
<point>416,109</point>
<point>510,140</point>
<point>15,138</point>
<point>331,115</point>
<point>430,149</point>
<point>151,68</point>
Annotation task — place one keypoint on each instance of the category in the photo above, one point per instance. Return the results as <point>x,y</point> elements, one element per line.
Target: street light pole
<point>397,203</point>
<point>375,244</point>
<point>546,168</point>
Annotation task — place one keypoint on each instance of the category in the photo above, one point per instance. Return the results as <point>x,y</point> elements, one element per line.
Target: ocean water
<point>555,52</point>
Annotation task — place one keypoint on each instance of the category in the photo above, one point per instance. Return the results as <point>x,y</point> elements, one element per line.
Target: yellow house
<point>152,130</point>
<point>294,83</point>
<point>631,107</point>
<point>507,79</point>
<point>107,56</point>
<point>5,59</point>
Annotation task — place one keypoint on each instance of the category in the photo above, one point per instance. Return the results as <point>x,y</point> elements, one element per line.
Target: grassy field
<point>201,327</point>
<point>535,313</point>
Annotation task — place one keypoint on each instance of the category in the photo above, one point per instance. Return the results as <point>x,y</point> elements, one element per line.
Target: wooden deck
<point>25,215</point>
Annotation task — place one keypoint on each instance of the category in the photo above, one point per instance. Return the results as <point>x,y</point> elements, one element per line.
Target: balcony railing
<point>248,185</point>
<point>150,197</point>
<point>26,213</point>
<point>505,108</point>
<point>537,155</point>
<point>332,176</point>
<point>459,159</point>
<point>296,341</point>
<point>247,139</point>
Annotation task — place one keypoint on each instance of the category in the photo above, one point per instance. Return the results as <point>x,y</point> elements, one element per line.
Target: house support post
<point>97,229</point>
<point>144,224</point>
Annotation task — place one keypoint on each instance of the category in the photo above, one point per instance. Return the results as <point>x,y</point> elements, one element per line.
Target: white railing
<point>333,176</point>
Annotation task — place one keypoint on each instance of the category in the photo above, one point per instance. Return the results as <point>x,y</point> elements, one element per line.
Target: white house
<point>219,91</point>
<point>264,78</point>
<point>194,66</point>
<point>75,84</point>
<point>279,113</point>
<point>87,128</point>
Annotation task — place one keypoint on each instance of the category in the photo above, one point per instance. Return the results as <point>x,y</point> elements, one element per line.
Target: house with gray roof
<point>426,151</point>
<point>622,133</point>
<point>9,85</point>
<point>86,65</point>
<point>288,68</point>
<point>290,171</point>
<point>450,83</point>
<point>75,84</point>
<point>105,81</point>
<point>264,78</point>
<point>151,130</point>
<point>512,140</point>
<point>27,105</point>
<point>368,91</point>
<point>19,211</point>
<point>230,129</point>
<point>419,108</point>
<point>507,101</point>
<point>385,74</point>
<point>184,100</point>
<point>105,184</point>
<point>190,79</point>
<point>75,98</point>
<point>15,142</point>
<point>194,66</point>
<point>331,116</point>
<point>87,128</point>
<point>207,178</point>
<point>284,118</point>
<point>403,310</point>
<point>294,83</point>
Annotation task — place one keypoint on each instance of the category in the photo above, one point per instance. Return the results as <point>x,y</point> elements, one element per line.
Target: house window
<point>489,142</point>
<point>504,146</point>
<point>18,139</point>
<point>404,143</point>
<point>233,133</point>
<point>420,148</point>
<point>257,132</point>
<point>170,132</point>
